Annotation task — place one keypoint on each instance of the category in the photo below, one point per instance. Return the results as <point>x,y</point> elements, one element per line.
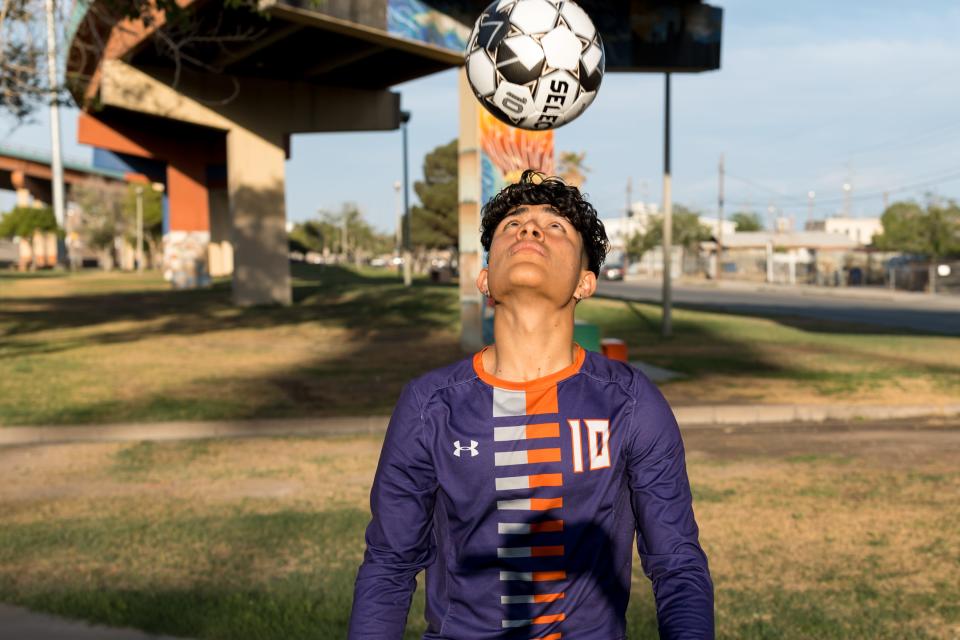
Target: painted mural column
<point>186,242</point>
<point>491,156</point>
<point>255,182</point>
<point>470,251</point>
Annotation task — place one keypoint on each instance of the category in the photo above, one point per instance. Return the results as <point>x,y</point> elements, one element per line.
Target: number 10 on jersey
<point>598,443</point>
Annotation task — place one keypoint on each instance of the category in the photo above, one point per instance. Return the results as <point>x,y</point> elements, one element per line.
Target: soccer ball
<point>535,64</point>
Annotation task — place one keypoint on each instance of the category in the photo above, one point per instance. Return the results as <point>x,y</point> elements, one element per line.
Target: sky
<point>810,95</point>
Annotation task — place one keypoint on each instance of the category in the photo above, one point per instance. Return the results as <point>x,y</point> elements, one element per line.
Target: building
<point>860,230</point>
<point>812,257</point>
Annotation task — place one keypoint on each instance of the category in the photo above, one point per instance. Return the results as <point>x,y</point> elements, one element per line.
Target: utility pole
<point>847,191</point>
<point>720,221</point>
<point>56,156</point>
<point>811,198</point>
<point>407,246</point>
<point>886,200</point>
<point>666,326</point>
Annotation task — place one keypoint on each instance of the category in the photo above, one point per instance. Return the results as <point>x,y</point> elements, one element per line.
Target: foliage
<point>325,234</point>
<point>747,221</point>
<point>933,231</point>
<point>436,223</point>
<point>103,214</point>
<point>687,232</point>
<point>23,221</point>
<point>177,32</point>
<point>152,212</point>
<point>572,169</point>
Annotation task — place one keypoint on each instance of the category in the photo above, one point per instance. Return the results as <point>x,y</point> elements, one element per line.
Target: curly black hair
<point>536,188</point>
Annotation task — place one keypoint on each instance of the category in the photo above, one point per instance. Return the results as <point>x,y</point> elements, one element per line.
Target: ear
<point>482,285</point>
<point>587,285</point>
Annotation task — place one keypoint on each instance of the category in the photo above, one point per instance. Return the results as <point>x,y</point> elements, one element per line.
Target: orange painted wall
<point>189,204</point>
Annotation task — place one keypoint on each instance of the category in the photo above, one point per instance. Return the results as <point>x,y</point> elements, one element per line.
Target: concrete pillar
<point>185,243</point>
<point>221,246</point>
<point>18,180</point>
<point>255,174</point>
<point>471,252</point>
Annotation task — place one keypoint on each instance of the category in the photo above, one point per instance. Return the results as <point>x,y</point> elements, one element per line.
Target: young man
<point>518,478</point>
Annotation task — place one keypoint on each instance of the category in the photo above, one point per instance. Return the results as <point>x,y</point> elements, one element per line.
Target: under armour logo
<point>472,448</point>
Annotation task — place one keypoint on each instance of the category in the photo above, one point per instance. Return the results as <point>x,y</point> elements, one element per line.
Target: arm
<point>666,530</point>
<point>399,535</point>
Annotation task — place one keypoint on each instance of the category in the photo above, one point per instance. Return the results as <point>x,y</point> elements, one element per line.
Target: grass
<point>95,347</point>
<point>258,539</point>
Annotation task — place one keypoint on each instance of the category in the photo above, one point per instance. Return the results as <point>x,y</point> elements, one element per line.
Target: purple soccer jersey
<point>522,500</point>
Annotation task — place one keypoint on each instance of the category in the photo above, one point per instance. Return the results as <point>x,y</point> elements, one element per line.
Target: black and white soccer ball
<point>535,64</point>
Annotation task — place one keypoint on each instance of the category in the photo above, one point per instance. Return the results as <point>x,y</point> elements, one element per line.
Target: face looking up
<point>536,250</point>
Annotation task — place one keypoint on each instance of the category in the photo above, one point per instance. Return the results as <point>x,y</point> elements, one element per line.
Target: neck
<point>532,339</point>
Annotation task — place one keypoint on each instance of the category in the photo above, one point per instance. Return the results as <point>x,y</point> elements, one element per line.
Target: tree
<point>746,221</point>
<point>688,232</point>
<point>933,232</point>
<point>572,169</point>
<point>152,217</point>
<point>103,216</point>
<point>172,27</point>
<point>23,221</point>
<point>435,223</point>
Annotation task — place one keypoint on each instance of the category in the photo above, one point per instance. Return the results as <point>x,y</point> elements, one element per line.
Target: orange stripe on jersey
<point>546,430</point>
<point>542,401</point>
<point>557,617</point>
<point>540,552</point>
<point>546,526</point>
<point>550,636</point>
<point>548,597</point>
<point>546,576</point>
<point>543,504</point>
<point>543,455</point>
<point>546,480</point>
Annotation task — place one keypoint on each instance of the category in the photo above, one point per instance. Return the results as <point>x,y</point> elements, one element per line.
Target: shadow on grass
<point>331,294</point>
<point>388,334</point>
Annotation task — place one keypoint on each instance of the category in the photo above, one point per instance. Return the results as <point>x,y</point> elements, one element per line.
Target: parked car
<point>612,271</point>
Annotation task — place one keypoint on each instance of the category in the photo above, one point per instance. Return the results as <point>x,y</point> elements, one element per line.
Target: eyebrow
<point>523,209</point>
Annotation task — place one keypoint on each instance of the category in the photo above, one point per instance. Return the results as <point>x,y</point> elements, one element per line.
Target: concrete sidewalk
<point>687,416</point>
<point>17,623</point>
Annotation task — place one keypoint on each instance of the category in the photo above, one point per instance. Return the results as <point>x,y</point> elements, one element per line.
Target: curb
<point>687,416</point>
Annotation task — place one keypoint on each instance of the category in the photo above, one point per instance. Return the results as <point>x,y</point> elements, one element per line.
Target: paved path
<point>17,623</point>
<point>915,312</point>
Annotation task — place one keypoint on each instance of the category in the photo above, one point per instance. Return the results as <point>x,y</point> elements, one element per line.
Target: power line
<point>924,182</point>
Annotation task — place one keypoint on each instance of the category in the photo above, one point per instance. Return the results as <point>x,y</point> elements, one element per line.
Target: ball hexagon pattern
<point>535,64</point>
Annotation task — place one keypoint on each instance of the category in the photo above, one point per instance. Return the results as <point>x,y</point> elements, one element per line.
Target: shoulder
<point>631,380</point>
<point>432,382</point>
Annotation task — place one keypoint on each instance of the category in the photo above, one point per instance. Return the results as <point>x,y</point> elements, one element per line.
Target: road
<point>896,311</point>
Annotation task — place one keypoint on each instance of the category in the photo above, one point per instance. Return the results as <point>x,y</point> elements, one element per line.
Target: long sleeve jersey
<point>521,501</point>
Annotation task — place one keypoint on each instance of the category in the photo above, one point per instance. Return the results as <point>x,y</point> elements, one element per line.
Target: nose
<point>530,228</point>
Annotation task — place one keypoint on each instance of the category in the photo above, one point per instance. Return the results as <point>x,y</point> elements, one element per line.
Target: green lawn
<point>260,539</point>
<point>94,347</point>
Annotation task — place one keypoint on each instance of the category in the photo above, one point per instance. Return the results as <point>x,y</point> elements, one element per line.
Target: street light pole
<point>398,236</point>
<point>56,159</point>
<point>139,229</point>
<point>720,220</point>
<point>666,326</point>
<point>407,248</point>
